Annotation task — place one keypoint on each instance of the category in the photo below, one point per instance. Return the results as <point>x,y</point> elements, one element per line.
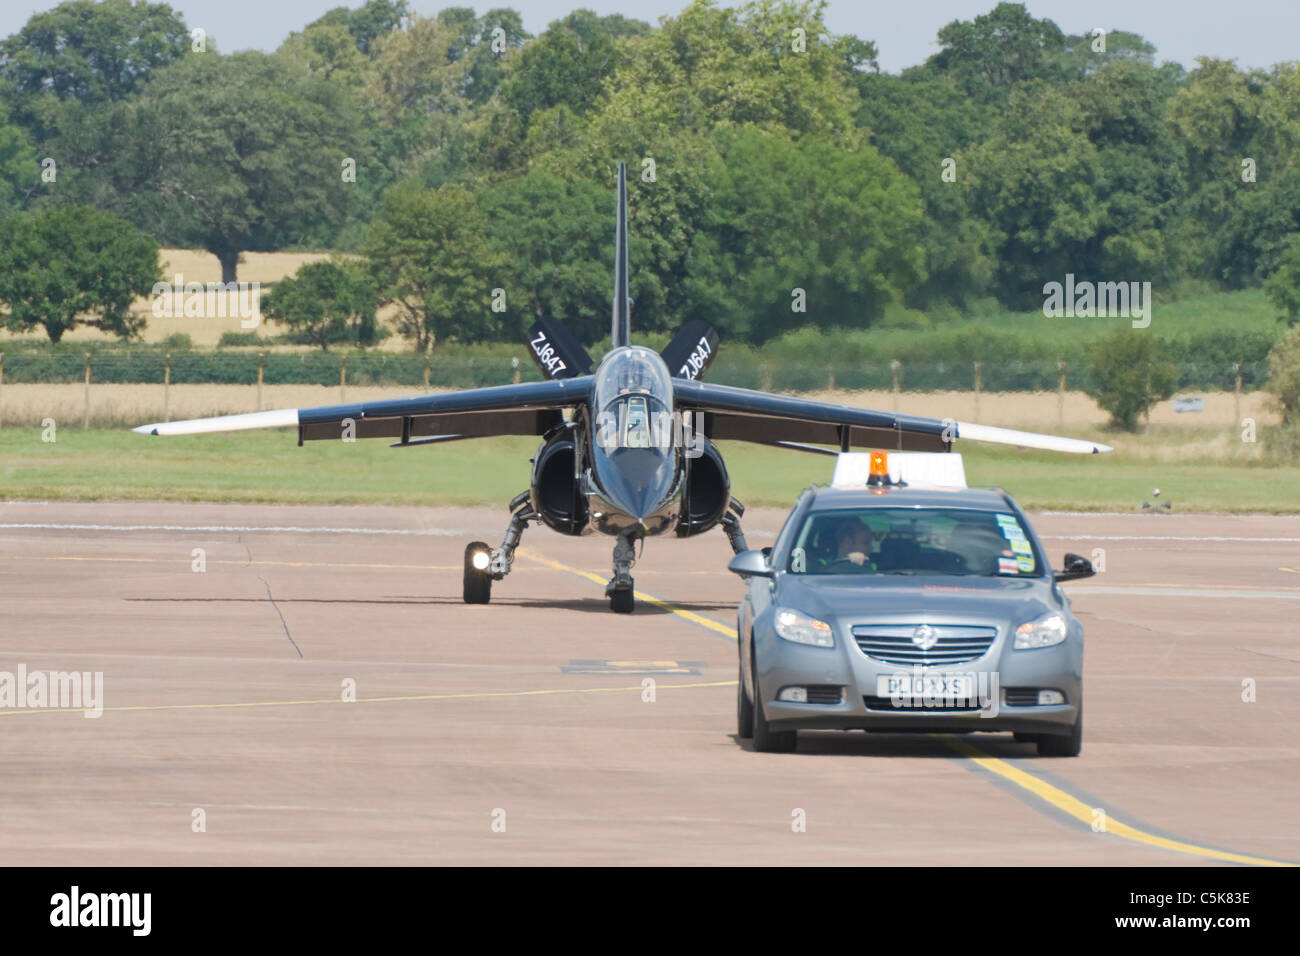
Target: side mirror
<point>750,564</point>
<point>1076,567</point>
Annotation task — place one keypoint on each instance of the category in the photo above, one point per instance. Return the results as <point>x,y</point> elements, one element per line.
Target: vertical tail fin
<point>622,307</point>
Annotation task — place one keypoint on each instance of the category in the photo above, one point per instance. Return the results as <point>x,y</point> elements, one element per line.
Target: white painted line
<point>288,529</point>
<point>1186,592</point>
<point>1161,537</point>
<point>1164,515</point>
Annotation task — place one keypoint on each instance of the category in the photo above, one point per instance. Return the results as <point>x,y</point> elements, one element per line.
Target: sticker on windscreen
<point>1008,565</point>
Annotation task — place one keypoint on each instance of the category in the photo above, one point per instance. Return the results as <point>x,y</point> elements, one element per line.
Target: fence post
<point>894,365</point>
<point>979,375</point>
<point>426,370</point>
<point>261,356</point>
<point>85,420</point>
<point>167,385</point>
<point>514,364</point>
<point>1236,395</point>
<point>1060,394</point>
<point>343,380</point>
<point>2,388</point>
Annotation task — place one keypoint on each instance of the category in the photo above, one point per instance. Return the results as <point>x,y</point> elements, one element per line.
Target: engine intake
<point>556,494</point>
<point>706,492</point>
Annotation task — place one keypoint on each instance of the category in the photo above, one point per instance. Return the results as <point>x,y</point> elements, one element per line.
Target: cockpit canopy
<point>633,398</point>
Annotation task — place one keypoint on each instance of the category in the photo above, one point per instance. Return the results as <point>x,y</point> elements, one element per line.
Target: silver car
<point>906,609</point>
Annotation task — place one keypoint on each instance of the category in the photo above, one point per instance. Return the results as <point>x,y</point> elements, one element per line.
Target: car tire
<point>744,708</point>
<point>1063,745</point>
<point>478,584</point>
<point>767,740</point>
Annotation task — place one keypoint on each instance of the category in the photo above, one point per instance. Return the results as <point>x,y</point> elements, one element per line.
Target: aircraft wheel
<point>478,581</point>
<point>622,601</point>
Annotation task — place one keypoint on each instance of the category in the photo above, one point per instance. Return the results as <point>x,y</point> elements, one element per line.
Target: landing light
<point>481,560</point>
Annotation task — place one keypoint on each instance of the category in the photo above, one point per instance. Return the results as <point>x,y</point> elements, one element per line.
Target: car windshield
<point>912,541</point>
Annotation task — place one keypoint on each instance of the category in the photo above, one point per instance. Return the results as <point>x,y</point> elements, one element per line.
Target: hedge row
<point>748,368</point>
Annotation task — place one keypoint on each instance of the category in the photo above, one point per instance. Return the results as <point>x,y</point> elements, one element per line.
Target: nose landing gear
<point>622,598</point>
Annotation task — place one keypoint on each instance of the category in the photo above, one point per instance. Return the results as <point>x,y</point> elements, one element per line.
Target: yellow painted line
<point>641,595</point>
<point>1076,808</point>
<point>1292,570</point>
<point>240,564</point>
<point>363,700</point>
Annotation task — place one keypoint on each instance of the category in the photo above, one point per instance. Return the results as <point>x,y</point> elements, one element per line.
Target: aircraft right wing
<point>742,414</point>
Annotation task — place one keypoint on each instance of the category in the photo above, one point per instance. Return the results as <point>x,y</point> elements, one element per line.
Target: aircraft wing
<point>529,408</point>
<point>742,414</point>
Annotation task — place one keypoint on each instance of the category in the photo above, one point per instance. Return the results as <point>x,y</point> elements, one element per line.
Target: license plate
<point>926,685</point>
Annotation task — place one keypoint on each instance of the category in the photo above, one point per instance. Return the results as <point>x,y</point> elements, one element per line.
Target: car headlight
<point>802,629</point>
<point>1044,632</point>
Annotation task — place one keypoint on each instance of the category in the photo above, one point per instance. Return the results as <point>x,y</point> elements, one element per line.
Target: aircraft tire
<point>478,583</point>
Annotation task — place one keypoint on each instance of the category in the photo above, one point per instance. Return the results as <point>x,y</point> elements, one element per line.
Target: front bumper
<point>1001,679</point>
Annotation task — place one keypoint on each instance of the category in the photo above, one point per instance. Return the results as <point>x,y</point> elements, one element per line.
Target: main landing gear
<point>731,524</point>
<point>484,564</point>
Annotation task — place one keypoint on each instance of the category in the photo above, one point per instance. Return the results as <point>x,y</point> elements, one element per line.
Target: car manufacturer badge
<point>924,637</point>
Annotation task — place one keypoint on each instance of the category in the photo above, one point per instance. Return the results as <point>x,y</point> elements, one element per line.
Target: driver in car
<point>853,543</point>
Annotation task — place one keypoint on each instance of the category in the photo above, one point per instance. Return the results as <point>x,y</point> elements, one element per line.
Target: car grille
<point>887,703</point>
<point>892,643</point>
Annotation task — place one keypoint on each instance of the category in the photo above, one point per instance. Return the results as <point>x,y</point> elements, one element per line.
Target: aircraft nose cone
<point>640,481</point>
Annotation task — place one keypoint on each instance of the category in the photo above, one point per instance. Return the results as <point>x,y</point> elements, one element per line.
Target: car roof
<point>909,496</point>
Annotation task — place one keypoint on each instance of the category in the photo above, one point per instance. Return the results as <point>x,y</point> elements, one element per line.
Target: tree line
<point>463,169</point>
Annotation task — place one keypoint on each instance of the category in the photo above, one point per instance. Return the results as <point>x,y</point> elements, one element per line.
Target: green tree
<point>1283,286</point>
<point>71,266</point>
<point>326,303</point>
<point>93,52</point>
<point>18,169</point>
<point>568,64</point>
<point>1034,180</point>
<point>431,255</point>
<point>988,56</point>
<point>232,154</point>
<point>1284,376</point>
<point>840,225</point>
<point>1127,374</point>
<point>375,19</point>
<point>556,238</point>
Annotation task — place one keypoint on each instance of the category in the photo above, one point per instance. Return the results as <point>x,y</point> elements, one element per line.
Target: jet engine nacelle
<point>556,494</point>
<point>706,491</point>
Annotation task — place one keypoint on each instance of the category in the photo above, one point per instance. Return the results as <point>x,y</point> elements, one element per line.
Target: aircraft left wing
<point>742,414</point>
<point>530,408</point>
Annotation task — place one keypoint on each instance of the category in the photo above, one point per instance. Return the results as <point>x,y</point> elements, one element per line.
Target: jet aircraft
<point>627,450</point>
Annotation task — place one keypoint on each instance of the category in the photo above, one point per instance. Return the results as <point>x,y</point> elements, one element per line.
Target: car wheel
<point>744,708</point>
<point>1069,745</point>
<point>478,581</point>
<point>767,740</point>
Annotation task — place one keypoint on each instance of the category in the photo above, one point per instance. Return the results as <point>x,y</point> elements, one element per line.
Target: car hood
<point>932,597</point>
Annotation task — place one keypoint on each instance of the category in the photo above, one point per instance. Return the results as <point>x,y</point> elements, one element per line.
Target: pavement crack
<point>283,622</point>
